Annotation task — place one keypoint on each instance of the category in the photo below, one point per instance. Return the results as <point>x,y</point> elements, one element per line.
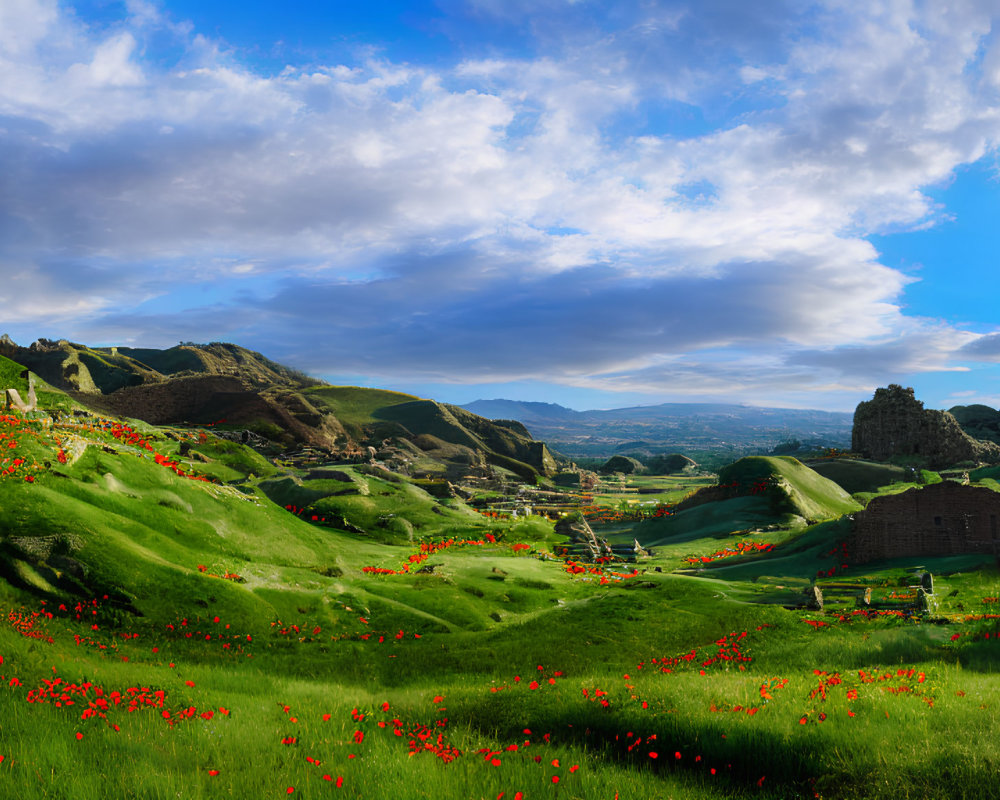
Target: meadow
<point>169,634</point>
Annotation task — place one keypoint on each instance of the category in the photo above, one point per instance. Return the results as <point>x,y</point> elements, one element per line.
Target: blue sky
<point>595,204</point>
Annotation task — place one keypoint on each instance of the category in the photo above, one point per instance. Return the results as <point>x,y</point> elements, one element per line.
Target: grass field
<point>169,636</point>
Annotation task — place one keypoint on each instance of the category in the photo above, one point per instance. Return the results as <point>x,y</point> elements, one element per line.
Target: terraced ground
<point>179,624</point>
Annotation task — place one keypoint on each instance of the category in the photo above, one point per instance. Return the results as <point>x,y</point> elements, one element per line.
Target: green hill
<point>171,629</point>
<point>234,389</point>
<point>793,486</point>
<point>855,475</point>
<point>754,492</point>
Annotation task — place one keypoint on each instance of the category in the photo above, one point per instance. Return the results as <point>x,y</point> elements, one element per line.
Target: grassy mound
<point>797,489</point>
<point>355,407</point>
<point>754,492</point>
<point>858,475</point>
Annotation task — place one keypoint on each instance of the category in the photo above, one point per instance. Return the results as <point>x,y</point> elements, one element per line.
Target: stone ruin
<point>895,423</point>
<point>924,603</point>
<point>580,534</point>
<point>946,518</point>
<point>12,397</point>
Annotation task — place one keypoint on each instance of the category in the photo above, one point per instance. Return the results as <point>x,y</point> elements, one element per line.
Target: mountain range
<point>670,427</point>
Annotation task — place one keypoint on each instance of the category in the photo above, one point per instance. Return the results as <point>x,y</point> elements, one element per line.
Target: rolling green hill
<point>754,492</point>
<point>855,475</point>
<point>186,617</point>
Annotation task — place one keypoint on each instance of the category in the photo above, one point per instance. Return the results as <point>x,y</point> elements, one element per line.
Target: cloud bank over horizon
<point>660,199</point>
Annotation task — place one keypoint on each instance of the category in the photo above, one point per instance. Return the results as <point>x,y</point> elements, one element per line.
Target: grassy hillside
<point>855,475</point>
<point>48,396</point>
<point>172,629</point>
<point>354,406</point>
<point>754,492</point>
<point>800,490</point>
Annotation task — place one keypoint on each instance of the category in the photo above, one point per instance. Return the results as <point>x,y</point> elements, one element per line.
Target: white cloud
<point>509,217</point>
<point>23,24</point>
<point>111,65</point>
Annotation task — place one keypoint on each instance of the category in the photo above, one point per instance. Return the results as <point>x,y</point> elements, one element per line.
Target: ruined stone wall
<point>895,423</point>
<point>941,519</point>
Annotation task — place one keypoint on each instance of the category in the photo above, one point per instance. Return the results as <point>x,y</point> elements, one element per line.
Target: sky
<point>597,204</point>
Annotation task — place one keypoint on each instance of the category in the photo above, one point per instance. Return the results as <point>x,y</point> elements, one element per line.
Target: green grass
<point>857,475</point>
<point>354,406</point>
<point>807,493</point>
<point>166,362</point>
<point>490,644</point>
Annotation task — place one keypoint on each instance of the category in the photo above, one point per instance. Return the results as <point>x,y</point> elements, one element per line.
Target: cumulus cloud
<point>517,216</point>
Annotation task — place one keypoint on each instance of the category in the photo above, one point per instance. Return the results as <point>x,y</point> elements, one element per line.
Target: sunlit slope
<point>386,507</point>
<point>48,396</point>
<point>801,490</point>
<point>87,514</point>
<point>371,414</point>
<point>125,525</point>
<point>757,491</point>
<point>354,406</point>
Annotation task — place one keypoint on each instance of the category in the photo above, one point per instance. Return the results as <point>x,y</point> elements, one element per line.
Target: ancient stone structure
<point>12,398</point>
<point>895,423</point>
<point>941,519</point>
<point>579,532</point>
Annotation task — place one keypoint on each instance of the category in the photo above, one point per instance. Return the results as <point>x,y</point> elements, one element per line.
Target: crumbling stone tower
<point>895,423</point>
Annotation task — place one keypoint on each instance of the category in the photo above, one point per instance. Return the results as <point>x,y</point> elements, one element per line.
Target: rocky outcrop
<point>895,423</point>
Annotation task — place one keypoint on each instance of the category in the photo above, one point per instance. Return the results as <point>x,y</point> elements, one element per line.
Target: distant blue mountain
<point>522,410</point>
<point>671,427</point>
